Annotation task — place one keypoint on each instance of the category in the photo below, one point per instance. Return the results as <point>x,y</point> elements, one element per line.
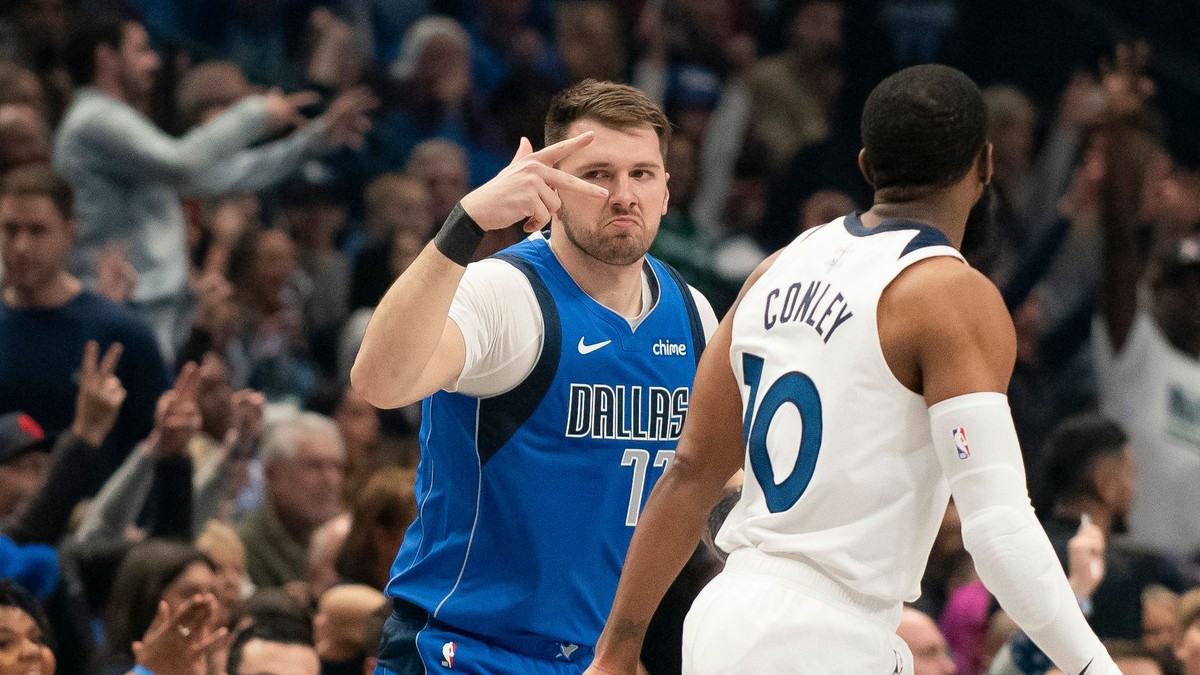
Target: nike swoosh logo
<point>588,349</point>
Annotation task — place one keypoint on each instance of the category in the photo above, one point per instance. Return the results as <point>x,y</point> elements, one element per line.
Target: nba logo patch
<point>448,654</point>
<point>960,443</point>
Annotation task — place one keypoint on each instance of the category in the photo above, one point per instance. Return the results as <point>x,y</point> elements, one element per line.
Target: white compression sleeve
<point>977,446</point>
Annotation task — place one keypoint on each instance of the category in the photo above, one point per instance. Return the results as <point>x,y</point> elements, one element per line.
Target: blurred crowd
<point>201,203</point>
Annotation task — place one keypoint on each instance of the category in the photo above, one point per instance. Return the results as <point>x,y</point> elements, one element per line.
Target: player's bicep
<point>963,337</point>
<point>446,364</point>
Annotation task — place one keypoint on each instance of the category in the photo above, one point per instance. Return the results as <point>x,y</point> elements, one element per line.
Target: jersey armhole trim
<point>500,416</point>
<point>689,302</point>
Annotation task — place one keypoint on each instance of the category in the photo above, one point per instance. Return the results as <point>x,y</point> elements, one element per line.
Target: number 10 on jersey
<point>640,461</point>
<point>797,389</point>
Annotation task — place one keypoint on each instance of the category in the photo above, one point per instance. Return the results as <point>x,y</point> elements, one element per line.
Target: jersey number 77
<point>797,389</point>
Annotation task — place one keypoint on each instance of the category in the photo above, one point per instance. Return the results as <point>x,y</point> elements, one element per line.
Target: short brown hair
<point>616,106</point>
<point>40,180</point>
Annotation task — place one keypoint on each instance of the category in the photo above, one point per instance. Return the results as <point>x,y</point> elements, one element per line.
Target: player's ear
<point>666,194</point>
<point>985,164</point>
<point>865,167</point>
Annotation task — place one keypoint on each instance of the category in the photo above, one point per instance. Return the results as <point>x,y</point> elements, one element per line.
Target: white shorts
<point>765,614</point>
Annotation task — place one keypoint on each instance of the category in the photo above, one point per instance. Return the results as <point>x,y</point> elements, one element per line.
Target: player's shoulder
<point>942,297</point>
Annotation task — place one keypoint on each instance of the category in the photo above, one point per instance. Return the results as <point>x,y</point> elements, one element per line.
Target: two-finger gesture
<point>100,394</point>
<point>177,415</point>
<point>283,110</point>
<point>526,191</point>
<point>348,118</point>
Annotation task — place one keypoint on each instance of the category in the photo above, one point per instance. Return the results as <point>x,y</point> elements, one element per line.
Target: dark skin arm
<point>1126,160</point>
<point>710,450</point>
<point>927,353</point>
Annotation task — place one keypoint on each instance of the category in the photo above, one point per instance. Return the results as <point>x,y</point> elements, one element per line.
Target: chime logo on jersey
<point>960,443</point>
<point>448,654</point>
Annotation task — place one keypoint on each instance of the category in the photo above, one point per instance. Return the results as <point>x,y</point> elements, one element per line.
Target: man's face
<point>20,480</point>
<point>816,32</point>
<point>137,62</point>
<point>260,657</point>
<point>1177,308</point>
<point>931,655</point>
<point>35,240</point>
<point>307,487</point>
<point>629,164</point>
<point>447,178</point>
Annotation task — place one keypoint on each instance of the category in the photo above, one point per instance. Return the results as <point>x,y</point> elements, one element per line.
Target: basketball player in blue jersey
<point>555,376</point>
<point>860,382</point>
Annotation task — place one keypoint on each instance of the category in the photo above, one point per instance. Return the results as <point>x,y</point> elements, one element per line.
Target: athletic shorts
<point>766,614</point>
<point>415,644</point>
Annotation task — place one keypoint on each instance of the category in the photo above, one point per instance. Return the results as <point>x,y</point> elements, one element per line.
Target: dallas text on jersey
<point>793,306</point>
<point>620,412</point>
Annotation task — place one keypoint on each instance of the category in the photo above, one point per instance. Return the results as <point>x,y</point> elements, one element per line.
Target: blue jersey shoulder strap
<point>500,416</point>
<point>689,302</point>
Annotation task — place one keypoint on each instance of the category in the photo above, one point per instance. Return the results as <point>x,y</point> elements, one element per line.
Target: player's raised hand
<point>100,394</point>
<point>527,189</point>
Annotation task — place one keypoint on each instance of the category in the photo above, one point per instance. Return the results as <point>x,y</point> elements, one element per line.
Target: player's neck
<point>942,213</point>
<point>617,287</point>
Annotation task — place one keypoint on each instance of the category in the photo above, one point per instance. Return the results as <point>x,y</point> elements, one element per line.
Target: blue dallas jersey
<point>527,500</point>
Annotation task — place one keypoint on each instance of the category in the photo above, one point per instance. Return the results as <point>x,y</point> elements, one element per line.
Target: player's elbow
<point>378,390</point>
<point>1016,563</point>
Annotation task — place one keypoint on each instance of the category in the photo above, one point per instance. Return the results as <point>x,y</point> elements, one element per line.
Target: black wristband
<point>459,237</point>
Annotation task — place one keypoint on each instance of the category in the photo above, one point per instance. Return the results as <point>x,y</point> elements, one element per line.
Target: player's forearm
<point>405,330</point>
<point>666,536</point>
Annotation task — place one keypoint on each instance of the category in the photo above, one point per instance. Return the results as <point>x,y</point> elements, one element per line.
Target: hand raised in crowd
<point>177,415</point>
<point>283,110</point>
<point>348,118</point>
<point>1085,559</point>
<point>100,394</point>
<point>115,276</point>
<point>526,189</point>
<point>214,296</point>
<point>1126,85</point>
<point>183,642</point>
<point>1082,102</point>
<point>334,62</point>
<point>246,420</point>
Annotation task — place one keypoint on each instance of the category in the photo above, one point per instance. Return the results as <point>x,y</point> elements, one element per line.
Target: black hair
<point>280,631</point>
<point>1072,449</point>
<point>923,127</point>
<point>91,32</point>
<point>12,595</point>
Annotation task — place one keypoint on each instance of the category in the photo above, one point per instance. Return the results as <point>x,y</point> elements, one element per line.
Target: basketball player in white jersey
<point>859,381</point>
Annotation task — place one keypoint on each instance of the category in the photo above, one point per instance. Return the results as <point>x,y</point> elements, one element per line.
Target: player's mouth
<point>625,222</point>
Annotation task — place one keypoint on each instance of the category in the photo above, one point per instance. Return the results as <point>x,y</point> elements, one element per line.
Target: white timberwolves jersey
<point>840,468</point>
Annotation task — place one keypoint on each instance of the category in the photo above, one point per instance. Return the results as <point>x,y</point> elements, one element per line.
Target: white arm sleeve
<point>977,446</point>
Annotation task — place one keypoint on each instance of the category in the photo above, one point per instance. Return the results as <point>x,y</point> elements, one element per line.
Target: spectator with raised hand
<point>62,485</point>
<point>183,640</point>
<point>47,317</point>
<point>131,174</point>
<point>151,574</point>
<point>1147,330</point>
<point>159,471</point>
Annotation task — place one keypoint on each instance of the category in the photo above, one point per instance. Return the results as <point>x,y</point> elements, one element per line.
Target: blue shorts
<point>415,644</point>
